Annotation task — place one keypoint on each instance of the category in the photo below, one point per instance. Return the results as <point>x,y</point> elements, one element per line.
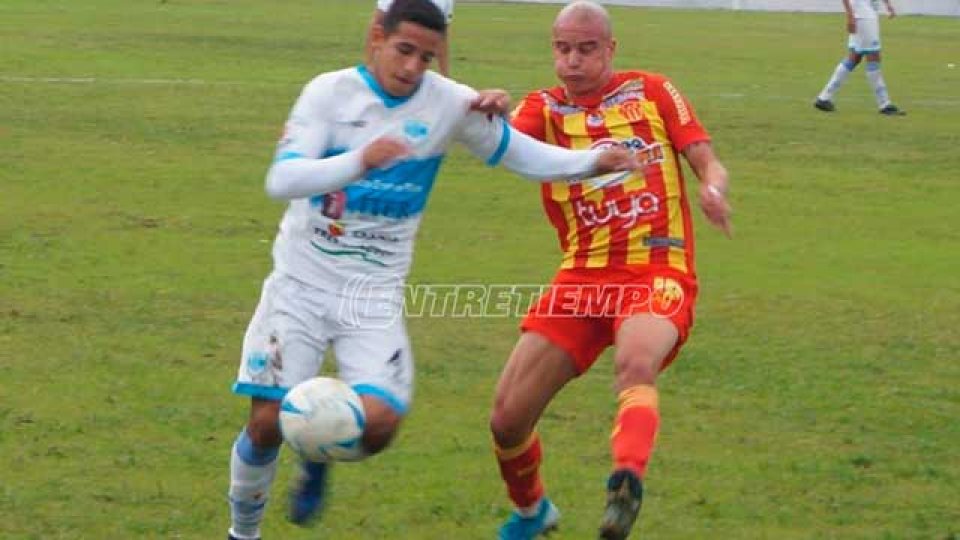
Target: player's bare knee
<point>263,427</point>
<point>636,369</point>
<point>263,433</point>
<point>507,430</point>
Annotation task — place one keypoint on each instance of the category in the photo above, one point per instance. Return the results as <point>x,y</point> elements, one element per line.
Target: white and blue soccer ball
<point>322,420</point>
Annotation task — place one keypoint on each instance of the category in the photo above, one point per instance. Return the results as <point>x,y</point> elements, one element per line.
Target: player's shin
<point>635,429</point>
<point>252,471</point>
<point>839,76</point>
<point>877,84</point>
<point>520,470</point>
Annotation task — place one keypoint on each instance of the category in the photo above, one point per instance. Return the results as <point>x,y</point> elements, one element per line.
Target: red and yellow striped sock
<point>520,469</point>
<point>635,429</point>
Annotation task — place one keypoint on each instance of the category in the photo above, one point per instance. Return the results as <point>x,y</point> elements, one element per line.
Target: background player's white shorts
<point>867,37</point>
<point>291,328</point>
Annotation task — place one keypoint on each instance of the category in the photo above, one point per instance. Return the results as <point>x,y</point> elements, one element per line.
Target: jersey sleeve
<point>683,126</point>
<point>495,141</point>
<point>384,5</point>
<point>307,129</point>
<point>528,116</point>
<point>303,163</point>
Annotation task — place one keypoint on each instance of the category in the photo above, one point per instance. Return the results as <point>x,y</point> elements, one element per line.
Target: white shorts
<point>867,37</point>
<point>291,328</point>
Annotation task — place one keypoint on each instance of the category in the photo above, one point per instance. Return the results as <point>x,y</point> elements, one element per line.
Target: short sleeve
<point>528,116</point>
<point>683,126</point>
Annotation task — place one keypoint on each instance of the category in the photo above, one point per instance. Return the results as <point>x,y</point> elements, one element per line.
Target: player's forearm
<point>543,162</point>
<point>299,178</point>
<point>706,166</point>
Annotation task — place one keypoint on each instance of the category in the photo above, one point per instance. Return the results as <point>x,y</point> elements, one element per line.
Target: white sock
<point>875,78</point>
<point>530,511</point>
<point>840,75</point>
<point>251,472</point>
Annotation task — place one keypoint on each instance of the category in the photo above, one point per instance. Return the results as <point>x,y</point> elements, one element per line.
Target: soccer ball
<point>322,420</point>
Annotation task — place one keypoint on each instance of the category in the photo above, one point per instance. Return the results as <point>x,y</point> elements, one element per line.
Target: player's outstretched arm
<point>496,141</point>
<point>297,177</point>
<point>544,162</point>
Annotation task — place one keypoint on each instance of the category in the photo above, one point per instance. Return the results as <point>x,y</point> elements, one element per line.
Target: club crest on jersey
<point>596,119</point>
<point>415,130</point>
<point>632,110</point>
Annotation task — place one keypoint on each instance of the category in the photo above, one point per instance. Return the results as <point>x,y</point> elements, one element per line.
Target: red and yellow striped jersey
<point>620,219</point>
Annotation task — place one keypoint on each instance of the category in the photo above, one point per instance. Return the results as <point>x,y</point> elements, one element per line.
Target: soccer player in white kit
<point>357,161</point>
<point>864,27</point>
<point>443,55</point>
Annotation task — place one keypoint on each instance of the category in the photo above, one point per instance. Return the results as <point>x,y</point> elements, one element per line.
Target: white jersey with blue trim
<point>865,9</point>
<point>366,230</point>
<point>446,7</point>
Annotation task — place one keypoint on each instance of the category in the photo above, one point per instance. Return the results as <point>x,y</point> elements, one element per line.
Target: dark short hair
<point>420,12</point>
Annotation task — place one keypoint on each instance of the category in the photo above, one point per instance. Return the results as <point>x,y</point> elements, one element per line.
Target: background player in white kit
<point>443,54</point>
<point>361,150</point>
<point>863,25</point>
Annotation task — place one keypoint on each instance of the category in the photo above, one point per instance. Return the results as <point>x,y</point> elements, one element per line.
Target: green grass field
<point>817,398</point>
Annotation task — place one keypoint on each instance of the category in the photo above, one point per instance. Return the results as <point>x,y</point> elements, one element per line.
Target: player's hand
<point>713,202</point>
<point>495,102</point>
<point>891,13</point>
<point>617,159</point>
<point>382,151</point>
<point>851,25</point>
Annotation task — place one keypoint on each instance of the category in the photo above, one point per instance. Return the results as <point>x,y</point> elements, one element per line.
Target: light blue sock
<point>252,471</point>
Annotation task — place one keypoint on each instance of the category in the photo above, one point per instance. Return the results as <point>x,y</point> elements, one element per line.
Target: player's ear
<point>377,34</point>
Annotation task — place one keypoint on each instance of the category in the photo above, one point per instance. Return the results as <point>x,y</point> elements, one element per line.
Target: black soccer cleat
<point>892,110</point>
<point>624,497</point>
<point>824,105</point>
<point>232,537</point>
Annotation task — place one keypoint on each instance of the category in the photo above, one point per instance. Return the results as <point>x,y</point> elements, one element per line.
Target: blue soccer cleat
<point>624,496</point>
<point>306,494</point>
<point>518,527</point>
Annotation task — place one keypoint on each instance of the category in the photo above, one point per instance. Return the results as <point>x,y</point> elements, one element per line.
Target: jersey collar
<point>388,100</point>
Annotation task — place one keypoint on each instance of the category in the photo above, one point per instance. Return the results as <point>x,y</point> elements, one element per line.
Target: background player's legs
<point>878,85</point>
<point>839,76</point>
<point>643,342</point>
<point>536,370</point>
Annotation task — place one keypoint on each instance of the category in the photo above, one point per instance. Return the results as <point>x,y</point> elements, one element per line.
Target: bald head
<point>583,47</point>
<point>585,12</point>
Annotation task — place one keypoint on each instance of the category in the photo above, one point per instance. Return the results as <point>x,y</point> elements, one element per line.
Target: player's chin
<point>403,86</point>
